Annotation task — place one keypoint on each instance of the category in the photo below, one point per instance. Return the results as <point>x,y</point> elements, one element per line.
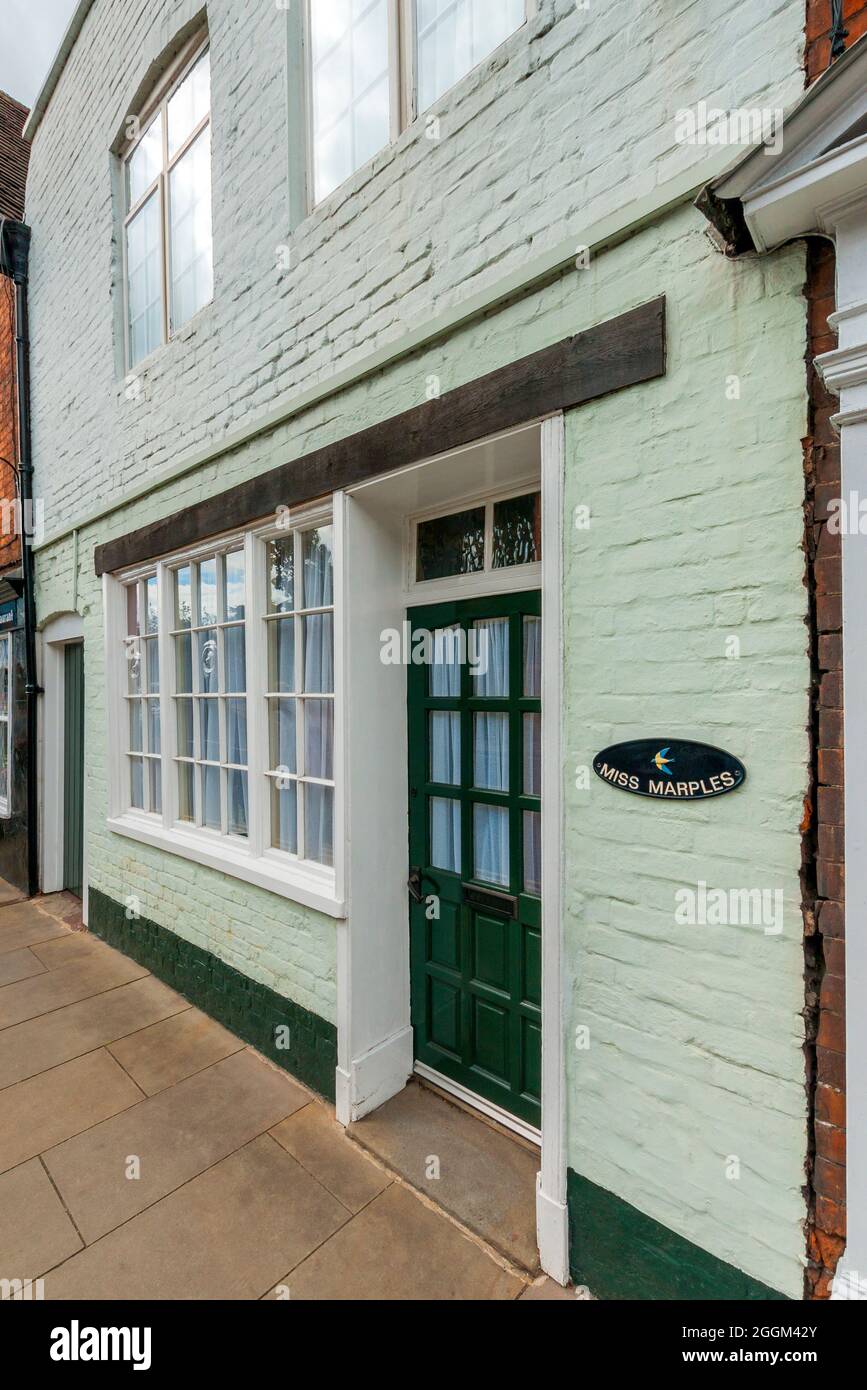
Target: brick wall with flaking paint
<point>689,1100</point>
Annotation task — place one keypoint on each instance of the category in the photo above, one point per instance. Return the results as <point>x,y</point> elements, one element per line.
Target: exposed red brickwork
<point>824,867</point>
<point>823,870</point>
<point>9,542</point>
<point>14,155</point>
<point>819,31</point>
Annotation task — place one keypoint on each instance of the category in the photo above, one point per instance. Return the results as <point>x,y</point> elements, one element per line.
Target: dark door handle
<point>413,883</point>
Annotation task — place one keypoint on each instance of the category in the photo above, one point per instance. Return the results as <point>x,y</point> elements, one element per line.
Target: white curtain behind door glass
<point>491,641</point>
<point>445,671</point>
<point>445,834</point>
<point>491,844</point>
<point>491,752</point>
<point>445,747</point>
<point>533,658</point>
<point>532,852</point>
<point>319,823</point>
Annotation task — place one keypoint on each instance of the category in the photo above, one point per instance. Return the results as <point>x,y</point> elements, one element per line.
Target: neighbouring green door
<point>73,767</point>
<point>475,862</point>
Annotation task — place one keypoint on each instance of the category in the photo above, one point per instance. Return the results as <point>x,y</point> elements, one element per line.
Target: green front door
<point>475,864</point>
<point>73,766</point>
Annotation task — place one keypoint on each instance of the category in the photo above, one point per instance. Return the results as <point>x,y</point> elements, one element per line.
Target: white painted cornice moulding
<point>844,368</point>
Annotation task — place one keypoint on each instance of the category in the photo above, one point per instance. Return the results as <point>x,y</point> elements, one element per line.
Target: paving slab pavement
<point>243,1184</point>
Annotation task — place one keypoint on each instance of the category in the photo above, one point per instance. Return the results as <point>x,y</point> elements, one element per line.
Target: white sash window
<point>222,660</point>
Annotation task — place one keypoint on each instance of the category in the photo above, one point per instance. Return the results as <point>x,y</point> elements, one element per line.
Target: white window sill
<point>308,884</point>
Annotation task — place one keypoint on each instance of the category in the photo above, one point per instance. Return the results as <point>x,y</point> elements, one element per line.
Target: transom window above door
<point>484,537</point>
<point>168,256</point>
<point>376,64</point>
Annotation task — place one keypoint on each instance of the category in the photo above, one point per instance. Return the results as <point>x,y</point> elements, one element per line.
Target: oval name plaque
<point>669,769</point>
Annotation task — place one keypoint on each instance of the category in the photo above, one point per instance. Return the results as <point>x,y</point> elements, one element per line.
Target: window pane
<point>445,834</point>
<point>281,568</point>
<point>284,817</point>
<point>445,671</point>
<point>152,657</point>
<point>451,545</point>
<point>490,670</point>
<point>136,784</point>
<point>192,266</point>
<point>281,655</point>
<point>237,803</point>
<point>135,729</point>
<point>151,606</point>
<point>190,103</point>
<point>318,567</point>
<point>518,530</point>
<point>211,797</point>
<point>207,672</point>
<point>532,755</point>
<point>145,162</point>
<point>533,658</point>
<point>283,745</point>
<point>185,729</point>
<point>235,592</point>
<point>132,610</point>
<point>183,597</point>
<point>207,609</point>
<point>318,653</point>
<point>445,747</point>
<point>351,96</point>
<point>319,823</point>
<point>454,35</point>
<point>184,663</point>
<point>209,731</point>
<point>236,732</point>
<point>185,791</point>
<point>154,726</point>
<point>236,659</point>
<point>319,738</point>
<point>144,281</point>
<point>132,650</point>
<point>491,752</point>
<point>532,852</point>
<point>491,844</point>
<point>155,784</point>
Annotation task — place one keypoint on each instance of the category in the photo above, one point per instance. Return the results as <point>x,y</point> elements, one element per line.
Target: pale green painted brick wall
<point>695,1031</point>
<point>696,534</point>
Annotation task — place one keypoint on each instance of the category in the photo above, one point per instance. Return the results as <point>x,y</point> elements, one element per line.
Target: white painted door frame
<point>375,1053</point>
<point>55,637</point>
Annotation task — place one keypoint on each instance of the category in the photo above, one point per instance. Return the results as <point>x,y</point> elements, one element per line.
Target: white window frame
<point>403,81</point>
<point>251,858</point>
<point>6,727</point>
<point>158,105</point>
<point>508,579</point>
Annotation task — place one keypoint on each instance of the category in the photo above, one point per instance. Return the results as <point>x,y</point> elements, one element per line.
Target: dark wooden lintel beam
<point>608,357</point>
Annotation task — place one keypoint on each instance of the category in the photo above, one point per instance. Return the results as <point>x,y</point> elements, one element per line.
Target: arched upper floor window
<point>168,254</point>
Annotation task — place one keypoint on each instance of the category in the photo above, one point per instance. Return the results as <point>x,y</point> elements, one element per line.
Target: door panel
<point>475,942</point>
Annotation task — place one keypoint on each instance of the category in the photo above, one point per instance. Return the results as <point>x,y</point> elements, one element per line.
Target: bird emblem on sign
<point>662,761</point>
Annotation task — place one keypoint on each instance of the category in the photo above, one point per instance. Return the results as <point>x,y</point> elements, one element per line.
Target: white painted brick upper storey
<point>572,119</point>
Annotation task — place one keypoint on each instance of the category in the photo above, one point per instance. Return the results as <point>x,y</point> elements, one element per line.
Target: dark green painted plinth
<point>249,1009</point>
<point>619,1253</point>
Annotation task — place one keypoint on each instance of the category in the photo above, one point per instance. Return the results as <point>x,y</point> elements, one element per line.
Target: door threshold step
<point>478,1173</point>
